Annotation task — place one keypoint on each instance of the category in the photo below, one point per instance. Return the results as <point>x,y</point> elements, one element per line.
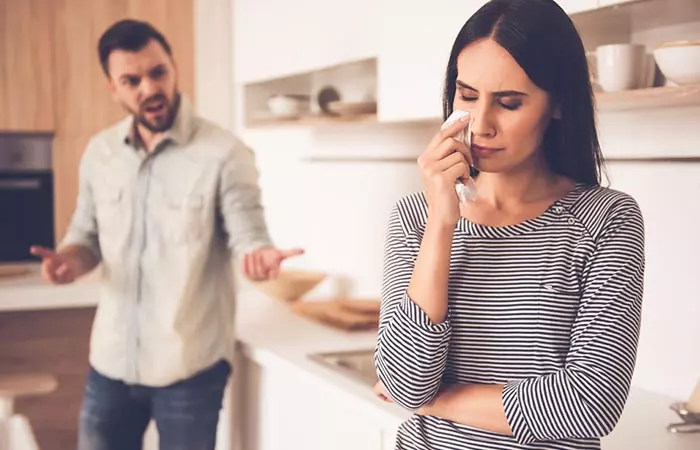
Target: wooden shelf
<point>658,97</point>
<point>313,121</point>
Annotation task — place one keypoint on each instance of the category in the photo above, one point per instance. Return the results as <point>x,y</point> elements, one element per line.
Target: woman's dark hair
<point>544,41</point>
<point>129,35</point>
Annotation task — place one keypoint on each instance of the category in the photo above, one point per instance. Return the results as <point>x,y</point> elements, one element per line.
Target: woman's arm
<point>477,405</point>
<point>414,331</point>
<point>428,286</point>
<point>586,397</point>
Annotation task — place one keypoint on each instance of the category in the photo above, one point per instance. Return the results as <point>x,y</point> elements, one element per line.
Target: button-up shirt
<point>164,225</point>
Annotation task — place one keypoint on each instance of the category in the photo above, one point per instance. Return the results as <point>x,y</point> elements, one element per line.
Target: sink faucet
<point>689,412</point>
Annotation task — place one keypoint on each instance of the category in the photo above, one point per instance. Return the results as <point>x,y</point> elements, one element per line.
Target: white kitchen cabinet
<point>276,38</point>
<point>415,43</point>
<point>284,409</point>
<point>577,6</point>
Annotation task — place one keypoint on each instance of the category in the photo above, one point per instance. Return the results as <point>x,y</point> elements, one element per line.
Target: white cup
<point>621,67</point>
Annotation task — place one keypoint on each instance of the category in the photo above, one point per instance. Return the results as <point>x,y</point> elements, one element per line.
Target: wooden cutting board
<point>7,271</point>
<point>349,315</point>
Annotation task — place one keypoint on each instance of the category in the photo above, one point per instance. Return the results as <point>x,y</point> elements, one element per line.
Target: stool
<point>15,431</point>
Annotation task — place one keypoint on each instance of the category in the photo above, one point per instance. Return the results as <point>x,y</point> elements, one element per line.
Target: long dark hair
<point>544,41</point>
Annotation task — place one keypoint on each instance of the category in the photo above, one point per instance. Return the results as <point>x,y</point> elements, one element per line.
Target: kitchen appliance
<point>689,413</point>
<point>26,195</point>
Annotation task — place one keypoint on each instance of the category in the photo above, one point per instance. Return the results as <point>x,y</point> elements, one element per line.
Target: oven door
<point>26,214</point>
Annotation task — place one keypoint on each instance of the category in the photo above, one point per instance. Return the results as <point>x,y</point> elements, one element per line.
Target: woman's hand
<point>380,391</point>
<point>445,161</point>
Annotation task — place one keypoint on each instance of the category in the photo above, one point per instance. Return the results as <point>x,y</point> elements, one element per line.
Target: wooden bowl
<point>291,285</point>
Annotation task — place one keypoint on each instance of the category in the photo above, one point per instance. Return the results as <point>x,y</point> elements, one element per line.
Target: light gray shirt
<point>165,225</point>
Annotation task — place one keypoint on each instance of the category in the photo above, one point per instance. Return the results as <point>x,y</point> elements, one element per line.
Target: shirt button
<point>571,221</point>
<point>558,209</point>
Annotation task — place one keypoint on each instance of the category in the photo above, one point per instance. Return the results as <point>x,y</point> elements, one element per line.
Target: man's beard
<point>162,122</point>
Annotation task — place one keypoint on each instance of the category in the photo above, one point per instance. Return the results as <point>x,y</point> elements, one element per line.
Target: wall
<point>213,90</point>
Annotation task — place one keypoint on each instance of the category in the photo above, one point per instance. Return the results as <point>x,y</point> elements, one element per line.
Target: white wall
<point>213,71</point>
<point>337,211</point>
<point>669,195</point>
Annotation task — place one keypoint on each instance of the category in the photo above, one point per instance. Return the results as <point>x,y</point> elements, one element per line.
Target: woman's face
<point>510,112</point>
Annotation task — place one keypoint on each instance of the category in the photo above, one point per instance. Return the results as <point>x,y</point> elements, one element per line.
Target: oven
<point>26,195</point>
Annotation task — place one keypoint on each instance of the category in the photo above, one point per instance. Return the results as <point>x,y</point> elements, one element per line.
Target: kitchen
<point>310,168</point>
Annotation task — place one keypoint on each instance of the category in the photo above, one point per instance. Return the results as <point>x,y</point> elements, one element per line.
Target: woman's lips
<point>484,152</point>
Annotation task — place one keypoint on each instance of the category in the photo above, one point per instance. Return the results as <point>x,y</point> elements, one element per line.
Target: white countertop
<point>271,335</point>
<point>31,292</point>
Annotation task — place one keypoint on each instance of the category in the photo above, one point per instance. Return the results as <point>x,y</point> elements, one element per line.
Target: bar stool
<point>15,431</point>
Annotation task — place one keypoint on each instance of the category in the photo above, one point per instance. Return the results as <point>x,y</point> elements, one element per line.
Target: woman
<point>512,321</point>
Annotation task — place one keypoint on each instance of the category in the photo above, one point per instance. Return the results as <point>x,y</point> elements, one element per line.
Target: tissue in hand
<point>466,189</point>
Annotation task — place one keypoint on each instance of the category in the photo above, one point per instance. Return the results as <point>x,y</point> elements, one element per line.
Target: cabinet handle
<point>27,184</point>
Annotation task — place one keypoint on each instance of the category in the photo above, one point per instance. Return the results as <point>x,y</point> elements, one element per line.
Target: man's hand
<point>55,267</point>
<point>264,263</point>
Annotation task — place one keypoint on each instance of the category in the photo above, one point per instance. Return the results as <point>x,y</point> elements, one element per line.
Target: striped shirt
<point>550,308</point>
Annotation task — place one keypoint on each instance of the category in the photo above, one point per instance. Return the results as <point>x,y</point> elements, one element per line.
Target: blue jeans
<point>114,415</point>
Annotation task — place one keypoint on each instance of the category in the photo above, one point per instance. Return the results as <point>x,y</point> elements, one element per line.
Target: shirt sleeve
<point>240,203</point>
<point>586,397</point>
<point>411,350</point>
<point>82,229</point>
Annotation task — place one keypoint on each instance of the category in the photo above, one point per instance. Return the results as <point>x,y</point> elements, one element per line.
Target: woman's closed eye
<point>510,105</point>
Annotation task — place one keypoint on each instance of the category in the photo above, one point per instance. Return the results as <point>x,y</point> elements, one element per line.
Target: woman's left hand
<point>380,391</point>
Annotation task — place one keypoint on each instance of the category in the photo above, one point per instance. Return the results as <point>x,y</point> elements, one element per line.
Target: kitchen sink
<point>357,364</point>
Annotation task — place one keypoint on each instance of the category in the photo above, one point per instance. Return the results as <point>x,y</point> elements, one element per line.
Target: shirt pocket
<point>557,308</point>
<point>183,218</point>
<point>108,209</point>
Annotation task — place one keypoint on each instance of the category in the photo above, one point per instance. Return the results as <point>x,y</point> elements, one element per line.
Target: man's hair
<point>129,35</point>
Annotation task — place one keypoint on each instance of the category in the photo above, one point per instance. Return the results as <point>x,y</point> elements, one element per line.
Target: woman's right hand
<point>441,164</point>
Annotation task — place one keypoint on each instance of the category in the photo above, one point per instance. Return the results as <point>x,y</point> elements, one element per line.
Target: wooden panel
<point>83,103</point>
<point>54,342</point>
<point>26,65</point>
<point>68,147</point>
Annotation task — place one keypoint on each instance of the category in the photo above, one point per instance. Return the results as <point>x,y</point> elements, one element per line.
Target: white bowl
<point>679,61</point>
<point>286,106</point>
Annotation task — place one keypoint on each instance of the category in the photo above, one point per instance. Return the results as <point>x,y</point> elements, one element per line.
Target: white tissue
<point>466,189</point>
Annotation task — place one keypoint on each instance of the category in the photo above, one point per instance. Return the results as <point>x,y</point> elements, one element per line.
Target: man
<point>165,199</point>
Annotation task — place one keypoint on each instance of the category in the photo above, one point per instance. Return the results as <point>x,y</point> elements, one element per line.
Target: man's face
<point>145,84</point>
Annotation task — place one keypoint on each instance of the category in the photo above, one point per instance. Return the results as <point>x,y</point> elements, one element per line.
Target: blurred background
<point>337,99</point>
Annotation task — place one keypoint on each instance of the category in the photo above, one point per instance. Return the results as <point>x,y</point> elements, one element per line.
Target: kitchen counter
<point>272,336</point>
<point>30,292</point>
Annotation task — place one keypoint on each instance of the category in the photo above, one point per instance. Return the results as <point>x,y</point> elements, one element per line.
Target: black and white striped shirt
<point>550,307</point>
